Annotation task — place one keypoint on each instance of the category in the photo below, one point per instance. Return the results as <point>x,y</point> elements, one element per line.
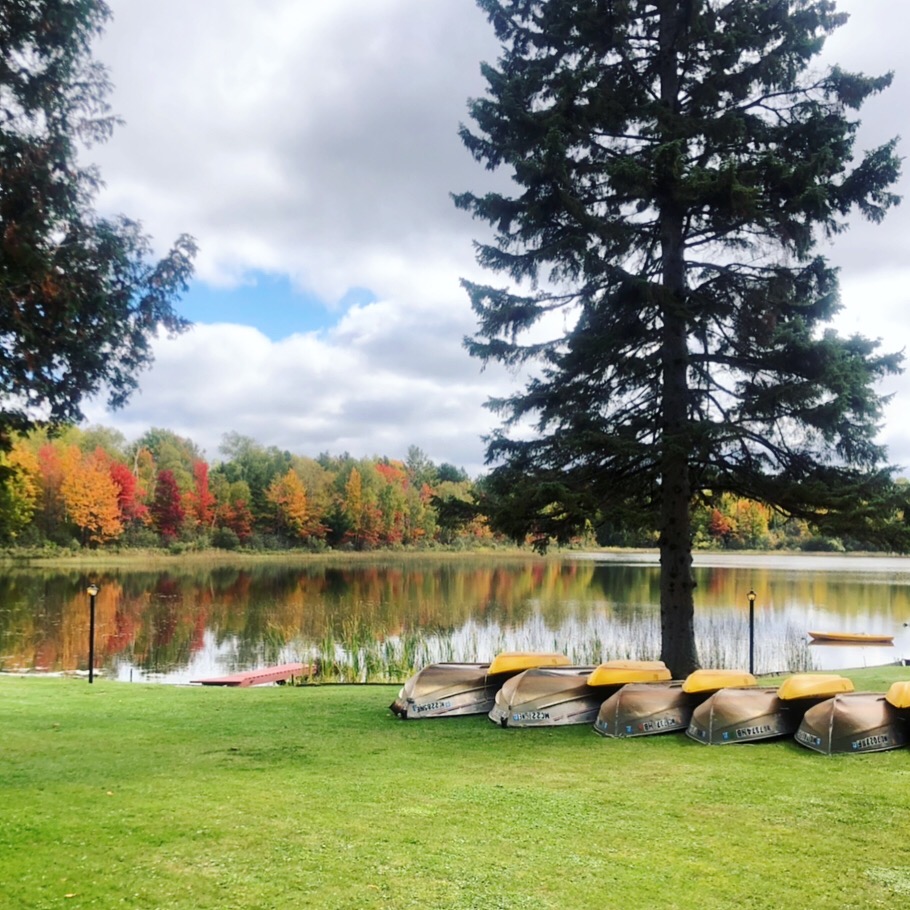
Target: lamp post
<point>92,591</point>
<point>751,596</point>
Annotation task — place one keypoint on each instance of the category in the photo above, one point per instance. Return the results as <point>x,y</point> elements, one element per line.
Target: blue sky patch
<point>268,302</point>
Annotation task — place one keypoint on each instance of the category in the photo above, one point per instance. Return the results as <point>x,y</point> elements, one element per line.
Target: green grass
<point>141,796</point>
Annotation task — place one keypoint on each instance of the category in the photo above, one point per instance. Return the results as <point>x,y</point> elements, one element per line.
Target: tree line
<point>90,488</point>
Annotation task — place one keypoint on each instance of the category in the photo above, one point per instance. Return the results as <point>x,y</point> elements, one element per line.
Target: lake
<point>373,619</point>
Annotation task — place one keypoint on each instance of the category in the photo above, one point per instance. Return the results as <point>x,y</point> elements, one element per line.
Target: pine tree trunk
<point>677,584</point>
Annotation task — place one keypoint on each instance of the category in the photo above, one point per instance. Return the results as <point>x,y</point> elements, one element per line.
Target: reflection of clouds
<point>217,621</point>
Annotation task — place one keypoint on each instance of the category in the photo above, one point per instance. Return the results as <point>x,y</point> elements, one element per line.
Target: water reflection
<point>374,619</point>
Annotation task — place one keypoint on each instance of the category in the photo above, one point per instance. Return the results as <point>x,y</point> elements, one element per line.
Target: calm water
<point>374,618</point>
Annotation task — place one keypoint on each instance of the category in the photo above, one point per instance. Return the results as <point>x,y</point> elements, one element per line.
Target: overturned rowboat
<point>662,707</point>
<point>546,697</point>
<point>454,689</point>
<point>853,722</point>
<point>735,715</point>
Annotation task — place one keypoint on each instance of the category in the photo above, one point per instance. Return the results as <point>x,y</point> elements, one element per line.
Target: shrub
<point>225,539</point>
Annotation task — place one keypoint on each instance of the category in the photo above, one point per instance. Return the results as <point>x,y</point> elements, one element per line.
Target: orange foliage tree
<point>90,495</point>
<point>361,513</point>
<point>199,502</point>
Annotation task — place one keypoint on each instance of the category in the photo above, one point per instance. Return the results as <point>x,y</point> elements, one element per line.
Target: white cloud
<point>319,141</point>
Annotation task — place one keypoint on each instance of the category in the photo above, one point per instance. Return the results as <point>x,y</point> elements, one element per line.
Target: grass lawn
<point>180,798</point>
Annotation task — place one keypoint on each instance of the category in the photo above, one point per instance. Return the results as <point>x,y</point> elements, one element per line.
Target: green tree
<point>675,165</point>
<point>248,461</point>
<point>80,297</point>
<point>421,469</point>
<point>170,452</point>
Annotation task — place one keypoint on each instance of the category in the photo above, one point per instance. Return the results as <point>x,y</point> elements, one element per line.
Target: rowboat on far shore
<point>857,638</point>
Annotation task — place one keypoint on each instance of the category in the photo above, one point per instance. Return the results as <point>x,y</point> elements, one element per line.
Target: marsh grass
<point>178,798</point>
<point>360,654</point>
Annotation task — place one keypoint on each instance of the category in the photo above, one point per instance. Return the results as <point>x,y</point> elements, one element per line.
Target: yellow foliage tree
<point>19,489</point>
<point>90,496</point>
<point>288,495</point>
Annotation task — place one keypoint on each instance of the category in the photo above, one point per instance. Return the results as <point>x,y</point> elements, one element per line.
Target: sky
<point>311,149</point>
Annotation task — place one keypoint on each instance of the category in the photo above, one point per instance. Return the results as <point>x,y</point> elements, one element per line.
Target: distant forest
<point>90,488</point>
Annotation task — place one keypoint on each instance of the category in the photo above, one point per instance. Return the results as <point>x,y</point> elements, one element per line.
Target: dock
<point>280,673</point>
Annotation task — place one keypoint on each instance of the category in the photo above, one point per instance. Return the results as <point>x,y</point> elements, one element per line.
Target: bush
<point>141,537</point>
<point>225,539</point>
<point>819,544</point>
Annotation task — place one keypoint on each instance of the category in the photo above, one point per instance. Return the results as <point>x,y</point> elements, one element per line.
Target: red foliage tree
<point>237,516</point>
<point>129,494</point>
<point>200,500</point>
<point>166,509</point>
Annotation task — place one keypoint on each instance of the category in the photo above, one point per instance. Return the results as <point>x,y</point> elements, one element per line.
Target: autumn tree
<point>200,500</point>
<point>90,496</point>
<point>130,495</point>
<point>288,496</point>
<point>317,482</point>
<point>166,508</point>
<point>361,512</point>
<point>675,164</point>
<point>81,298</point>
<point>50,512</point>
<point>19,494</point>
<point>232,507</point>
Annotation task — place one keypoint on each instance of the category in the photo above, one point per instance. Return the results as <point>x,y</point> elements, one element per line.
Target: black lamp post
<point>751,596</point>
<point>92,591</point>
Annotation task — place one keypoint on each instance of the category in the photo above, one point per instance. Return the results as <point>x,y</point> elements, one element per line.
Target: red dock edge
<point>280,673</point>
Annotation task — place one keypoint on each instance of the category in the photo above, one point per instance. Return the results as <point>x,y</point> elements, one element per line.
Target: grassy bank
<point>118,795</point>
<point>145,558</point>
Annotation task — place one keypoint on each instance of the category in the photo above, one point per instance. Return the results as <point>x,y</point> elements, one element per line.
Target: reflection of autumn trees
<point>158,620</point>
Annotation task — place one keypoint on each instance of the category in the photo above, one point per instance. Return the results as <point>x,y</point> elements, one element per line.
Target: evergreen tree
<point>675,164</point>
<point>80,297</point>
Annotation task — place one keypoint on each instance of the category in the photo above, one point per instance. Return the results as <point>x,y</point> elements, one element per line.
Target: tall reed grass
<point>360,655</point>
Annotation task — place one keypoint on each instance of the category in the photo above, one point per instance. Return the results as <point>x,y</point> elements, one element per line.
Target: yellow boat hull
<point>516,661</point>
<point>712,680</point>
<point>621,672</point>
<point>899,694</point>
<point>813,685</point>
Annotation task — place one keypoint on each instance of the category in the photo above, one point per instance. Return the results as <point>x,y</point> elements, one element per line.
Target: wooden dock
<point>281,673</point>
